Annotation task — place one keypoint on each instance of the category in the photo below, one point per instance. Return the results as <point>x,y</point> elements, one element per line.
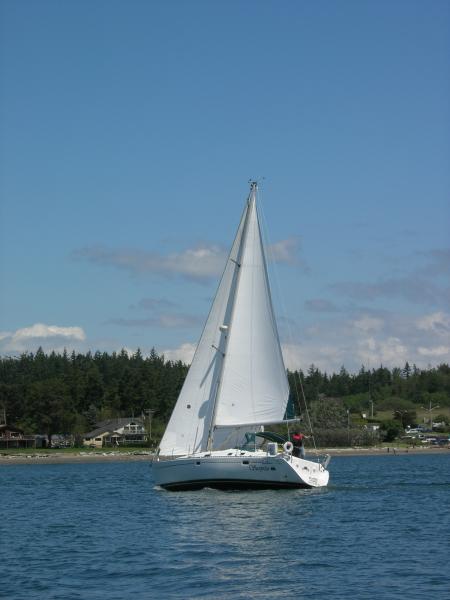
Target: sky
<point>129,133</point>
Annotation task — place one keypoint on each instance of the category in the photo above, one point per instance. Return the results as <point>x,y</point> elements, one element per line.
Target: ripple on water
<point>103,531</point>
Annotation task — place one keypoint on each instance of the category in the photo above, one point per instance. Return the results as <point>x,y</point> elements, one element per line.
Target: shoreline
<point>54,458</point>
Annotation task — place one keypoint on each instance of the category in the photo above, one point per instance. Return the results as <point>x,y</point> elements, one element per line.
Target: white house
<point>126,431</point>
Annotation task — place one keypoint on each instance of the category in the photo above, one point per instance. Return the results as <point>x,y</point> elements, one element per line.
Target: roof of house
<point>119,422</point>
<point>10,428</point>
<point>96,432</point>
<point>111,425</point>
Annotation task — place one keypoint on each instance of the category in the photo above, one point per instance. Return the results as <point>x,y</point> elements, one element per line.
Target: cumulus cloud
<point>48,336</point>
<point>199,264</point>
<point>184,352</point>
<point>370,338</point>
<point>437,323</point>
<point>285,251</point>
<point>440,352</point>
<point>352,340</point>
<point>368,323</point>
<point>325,356</point>
<point>386,350</point>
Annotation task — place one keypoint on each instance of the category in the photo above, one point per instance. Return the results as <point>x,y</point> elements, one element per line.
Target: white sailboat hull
<point>231,469</point>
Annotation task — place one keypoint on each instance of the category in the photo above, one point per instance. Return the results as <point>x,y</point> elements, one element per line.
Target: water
<point>101,531</point>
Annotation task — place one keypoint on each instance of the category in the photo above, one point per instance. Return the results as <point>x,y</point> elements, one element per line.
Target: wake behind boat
<point>236,386</point>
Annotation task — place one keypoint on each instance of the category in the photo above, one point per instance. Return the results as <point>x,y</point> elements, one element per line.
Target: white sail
<point>237,377</point>
<point>188,427</point>
<point>254,387</point>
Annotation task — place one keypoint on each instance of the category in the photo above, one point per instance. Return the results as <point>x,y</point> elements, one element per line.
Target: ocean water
<point>102,531</point>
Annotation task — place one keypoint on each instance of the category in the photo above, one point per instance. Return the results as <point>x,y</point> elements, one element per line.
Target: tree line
<point>389,397</point>
<point>69,393</point>
<point>385,388</point>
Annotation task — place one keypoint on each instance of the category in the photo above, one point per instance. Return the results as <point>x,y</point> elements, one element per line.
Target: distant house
<point>439,425</point>
<point>13,437</point>
<point>372,426</point>
<point>126,431</point>
<point>62,440</point>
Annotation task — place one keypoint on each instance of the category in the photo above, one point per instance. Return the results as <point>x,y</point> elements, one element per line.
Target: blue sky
<point>130,131</point>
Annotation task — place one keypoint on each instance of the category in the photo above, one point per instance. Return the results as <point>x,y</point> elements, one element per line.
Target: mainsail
<point>237,376</point>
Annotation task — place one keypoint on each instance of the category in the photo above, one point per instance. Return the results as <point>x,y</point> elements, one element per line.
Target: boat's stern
<point>312,474</point>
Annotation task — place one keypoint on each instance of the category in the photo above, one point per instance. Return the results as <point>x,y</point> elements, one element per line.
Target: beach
<point>67,458</point>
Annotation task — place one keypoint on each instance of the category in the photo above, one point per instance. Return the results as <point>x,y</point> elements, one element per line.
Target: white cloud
<point>326,357</point>
<point>40,330</point>
<point>436,352</point>
<point>199,263</point>
<point>438,323</point>
<point>185,353</point>
<point>284,251</point>
<point>130,352</point>
<point>330,341</point>
<point>51,337</point>
<point>387,351</point>
<point>368,323</point>
<point>370,339</point>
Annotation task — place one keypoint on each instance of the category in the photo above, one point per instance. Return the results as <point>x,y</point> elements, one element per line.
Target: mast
<point>227,326</point>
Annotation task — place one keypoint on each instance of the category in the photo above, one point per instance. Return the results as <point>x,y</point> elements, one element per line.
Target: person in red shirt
<point>297,441</point>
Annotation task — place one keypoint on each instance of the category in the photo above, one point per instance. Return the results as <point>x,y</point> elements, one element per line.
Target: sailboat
<point>236,386</point>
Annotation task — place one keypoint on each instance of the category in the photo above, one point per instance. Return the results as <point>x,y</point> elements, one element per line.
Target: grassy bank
<point>73,451</point>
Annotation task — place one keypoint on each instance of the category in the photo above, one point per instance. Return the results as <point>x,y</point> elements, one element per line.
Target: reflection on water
<point>106,529</point>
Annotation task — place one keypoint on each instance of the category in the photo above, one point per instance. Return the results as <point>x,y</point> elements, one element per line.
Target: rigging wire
<point>289,329</point>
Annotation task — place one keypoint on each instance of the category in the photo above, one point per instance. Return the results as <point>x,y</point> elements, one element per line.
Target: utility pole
<point>149,413</point>
<point>401,413</point>
<point>348,426</point>
<point>429,410</point>
<point>370,397</point>
<point>370,392</point>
